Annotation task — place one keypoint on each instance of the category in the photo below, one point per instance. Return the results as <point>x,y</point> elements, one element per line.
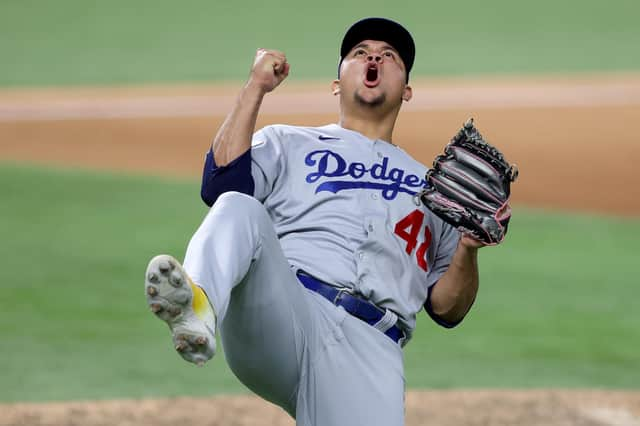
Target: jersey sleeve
<point>267,162</point>
<point>254,173</point>
<point>446,247</point>
<point>235,176</point>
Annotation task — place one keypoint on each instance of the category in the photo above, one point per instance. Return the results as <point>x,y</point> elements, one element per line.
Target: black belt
<point>356,306</point>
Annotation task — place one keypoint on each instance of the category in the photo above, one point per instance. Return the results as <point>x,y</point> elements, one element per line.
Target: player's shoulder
<point>287,133</point>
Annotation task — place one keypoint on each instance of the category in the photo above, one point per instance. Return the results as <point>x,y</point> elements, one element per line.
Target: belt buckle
<point>341,291</point>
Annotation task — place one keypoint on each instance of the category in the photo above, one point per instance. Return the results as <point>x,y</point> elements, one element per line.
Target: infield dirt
<point>574,140</point>
<point>441,408</point>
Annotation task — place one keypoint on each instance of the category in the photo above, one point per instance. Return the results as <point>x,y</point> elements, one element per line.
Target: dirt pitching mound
<point>443,408</point>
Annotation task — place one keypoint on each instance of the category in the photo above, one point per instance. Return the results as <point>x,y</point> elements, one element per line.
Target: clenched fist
<point>269,69</point>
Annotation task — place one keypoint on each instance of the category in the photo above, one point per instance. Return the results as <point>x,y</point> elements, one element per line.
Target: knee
<point>239,205</point>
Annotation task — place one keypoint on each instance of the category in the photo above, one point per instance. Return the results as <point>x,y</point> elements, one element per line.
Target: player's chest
<point>361,173</point>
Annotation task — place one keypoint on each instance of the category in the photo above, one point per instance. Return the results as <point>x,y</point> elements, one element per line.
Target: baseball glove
<point>469,186</point>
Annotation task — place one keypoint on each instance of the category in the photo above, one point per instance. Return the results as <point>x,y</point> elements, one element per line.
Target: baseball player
<point>317,254</point>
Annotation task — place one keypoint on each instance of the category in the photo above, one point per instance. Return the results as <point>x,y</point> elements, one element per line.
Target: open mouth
<point>372,76</point>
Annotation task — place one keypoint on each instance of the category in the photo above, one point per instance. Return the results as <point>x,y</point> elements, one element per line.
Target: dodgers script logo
<point>389,181</point>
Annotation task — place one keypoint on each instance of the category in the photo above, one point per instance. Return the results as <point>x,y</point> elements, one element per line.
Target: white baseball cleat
<point>175,299</point>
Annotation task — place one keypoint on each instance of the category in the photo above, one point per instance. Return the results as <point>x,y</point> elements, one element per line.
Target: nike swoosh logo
<point>328,138</point>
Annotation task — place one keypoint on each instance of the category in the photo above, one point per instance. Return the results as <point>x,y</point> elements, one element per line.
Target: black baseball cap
<point>384,30</point>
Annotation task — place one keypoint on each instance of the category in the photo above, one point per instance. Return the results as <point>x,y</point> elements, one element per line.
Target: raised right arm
<point>233,139</point>
<point>228,164</point>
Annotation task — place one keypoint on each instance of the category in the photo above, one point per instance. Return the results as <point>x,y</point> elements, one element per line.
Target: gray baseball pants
<point>286,343</point>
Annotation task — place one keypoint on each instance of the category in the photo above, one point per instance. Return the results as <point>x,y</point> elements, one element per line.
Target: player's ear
<point>407,94</point>
<point>335,87</point>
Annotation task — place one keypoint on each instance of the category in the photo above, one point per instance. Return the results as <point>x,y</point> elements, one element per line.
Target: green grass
<point>73,317</point>
<point>70,42</point>
<point>557,306</point>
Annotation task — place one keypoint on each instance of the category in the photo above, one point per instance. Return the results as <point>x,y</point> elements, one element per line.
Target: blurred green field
<point>73,42</point>
<point>557,306</point>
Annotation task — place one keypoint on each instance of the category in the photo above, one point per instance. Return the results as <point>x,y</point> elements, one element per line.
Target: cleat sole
<point>169,297</point>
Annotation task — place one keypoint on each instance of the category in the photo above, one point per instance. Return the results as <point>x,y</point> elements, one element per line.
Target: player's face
<point>373,74</point>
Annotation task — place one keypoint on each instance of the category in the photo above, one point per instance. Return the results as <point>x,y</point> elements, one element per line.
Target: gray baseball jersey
<point>345,210</point>
<point>342,208</point>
